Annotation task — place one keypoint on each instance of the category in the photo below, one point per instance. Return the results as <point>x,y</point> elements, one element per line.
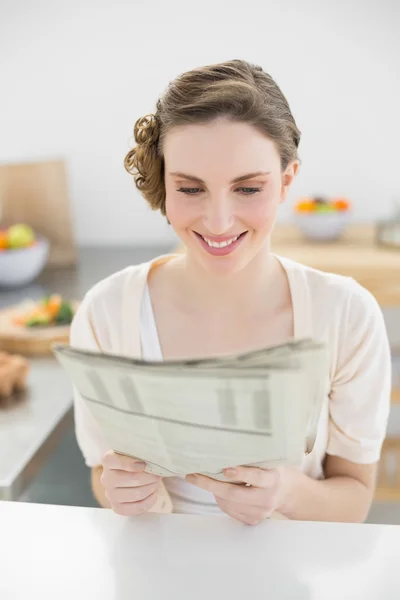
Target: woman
<point>217,158</point>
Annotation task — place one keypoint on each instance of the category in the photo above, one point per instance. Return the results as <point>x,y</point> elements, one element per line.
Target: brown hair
<point>235,89</point>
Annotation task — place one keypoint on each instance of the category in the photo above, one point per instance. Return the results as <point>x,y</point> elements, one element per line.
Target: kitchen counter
<point>63,552</point>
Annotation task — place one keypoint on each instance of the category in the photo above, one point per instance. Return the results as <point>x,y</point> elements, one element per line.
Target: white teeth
<point>221,244</point>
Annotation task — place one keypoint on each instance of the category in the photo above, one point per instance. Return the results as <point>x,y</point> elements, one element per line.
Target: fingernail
<point>230,472</point>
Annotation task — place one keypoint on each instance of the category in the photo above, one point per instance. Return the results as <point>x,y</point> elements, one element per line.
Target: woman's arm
<point>345,494</point>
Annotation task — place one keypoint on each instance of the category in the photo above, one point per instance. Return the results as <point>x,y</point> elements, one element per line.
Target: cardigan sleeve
<point>361,388</point>
<point>87,431</point>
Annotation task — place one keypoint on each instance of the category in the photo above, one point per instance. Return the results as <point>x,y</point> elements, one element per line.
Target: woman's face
<point>223,186</point>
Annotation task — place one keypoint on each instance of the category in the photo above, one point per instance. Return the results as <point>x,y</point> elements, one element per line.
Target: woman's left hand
<point>250,504</point>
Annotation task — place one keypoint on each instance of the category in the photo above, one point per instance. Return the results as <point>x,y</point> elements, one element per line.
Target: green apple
<point>324,208</point>
<point>20,236</point>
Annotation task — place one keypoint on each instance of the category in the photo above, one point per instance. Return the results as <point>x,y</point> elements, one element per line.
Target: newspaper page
<point>203,415</point>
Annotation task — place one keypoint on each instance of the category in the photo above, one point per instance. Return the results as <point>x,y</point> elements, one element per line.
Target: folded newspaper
<point>259,408</point>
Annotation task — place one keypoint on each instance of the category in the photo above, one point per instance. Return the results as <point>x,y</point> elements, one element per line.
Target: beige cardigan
<point>327,307</point>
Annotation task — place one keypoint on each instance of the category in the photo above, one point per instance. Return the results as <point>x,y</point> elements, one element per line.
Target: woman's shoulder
<point>116,284</point>
<point>101,310</point>
<point>110,298</point>
<point>325,287</point>
<point>128,281</point>
<point>334,303</point>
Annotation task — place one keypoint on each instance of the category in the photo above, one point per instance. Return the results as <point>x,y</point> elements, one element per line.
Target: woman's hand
<point>250,504</point>
<point>128,488</point>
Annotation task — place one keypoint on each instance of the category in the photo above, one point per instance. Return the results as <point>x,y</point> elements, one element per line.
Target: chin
<point>222,266</point>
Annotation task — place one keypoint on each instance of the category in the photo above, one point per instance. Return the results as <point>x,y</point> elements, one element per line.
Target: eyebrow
<point>236,180</point>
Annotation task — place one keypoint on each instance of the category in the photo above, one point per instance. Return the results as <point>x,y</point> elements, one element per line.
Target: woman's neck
<point>245,291</point>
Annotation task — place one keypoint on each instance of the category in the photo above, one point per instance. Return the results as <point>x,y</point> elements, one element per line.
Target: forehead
<point>219,147</point>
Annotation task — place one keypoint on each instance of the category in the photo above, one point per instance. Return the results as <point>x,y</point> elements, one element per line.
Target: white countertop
<point>49,552</point>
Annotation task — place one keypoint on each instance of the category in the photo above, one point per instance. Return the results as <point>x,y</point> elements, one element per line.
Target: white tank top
<point>186,498</point>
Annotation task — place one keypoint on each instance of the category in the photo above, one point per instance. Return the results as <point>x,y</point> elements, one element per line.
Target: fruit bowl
<point>20,266</point>
<point>320,219</point>
<point>325,227</point>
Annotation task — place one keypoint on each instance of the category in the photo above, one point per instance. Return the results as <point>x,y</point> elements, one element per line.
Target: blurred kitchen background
<point>75,77</point>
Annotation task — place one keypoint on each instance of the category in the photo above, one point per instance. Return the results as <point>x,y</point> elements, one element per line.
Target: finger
<point>113,478</point>
<point>129,509</point>
<point>126,495</point>
<point>122,462</point>
<point>237,515</point>
<point>260,478</point>
<point>228,491</point>
<point>249,514</point>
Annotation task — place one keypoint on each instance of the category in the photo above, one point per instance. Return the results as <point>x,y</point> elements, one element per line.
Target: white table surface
<point>65,553</point>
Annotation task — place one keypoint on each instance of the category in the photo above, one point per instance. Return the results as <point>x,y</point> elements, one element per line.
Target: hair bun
<point>147,130</point>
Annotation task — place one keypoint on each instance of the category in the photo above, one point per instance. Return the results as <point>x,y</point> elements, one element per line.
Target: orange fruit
<point>341,204</point>
<point>3,240</point>
<point>305,205</point>
<point>54,305</point>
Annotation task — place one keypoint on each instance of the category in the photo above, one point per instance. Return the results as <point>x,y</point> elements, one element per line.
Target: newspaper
<point>203,415</point>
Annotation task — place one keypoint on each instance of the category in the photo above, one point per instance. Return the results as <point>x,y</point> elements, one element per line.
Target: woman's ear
<point>288,177</point>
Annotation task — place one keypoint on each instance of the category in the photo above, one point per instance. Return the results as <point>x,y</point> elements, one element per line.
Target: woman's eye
<point>189,191</point>
<point>249,191</point>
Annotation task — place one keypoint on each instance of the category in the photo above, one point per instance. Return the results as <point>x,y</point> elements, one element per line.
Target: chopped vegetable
<point>48,311</point>
<point>38,320</point>
<point>65,313</point>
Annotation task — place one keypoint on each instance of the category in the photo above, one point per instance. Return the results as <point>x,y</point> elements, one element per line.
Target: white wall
<point>74,77</point>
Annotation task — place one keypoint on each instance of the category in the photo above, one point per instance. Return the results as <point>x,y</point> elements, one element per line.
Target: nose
<point>218,217</point>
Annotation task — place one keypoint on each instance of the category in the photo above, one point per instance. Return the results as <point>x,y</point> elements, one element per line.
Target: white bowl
<point>22,265</point>
<point>322,226</point>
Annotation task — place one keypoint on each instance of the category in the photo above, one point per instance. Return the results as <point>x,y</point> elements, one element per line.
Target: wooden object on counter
<point>355,254</point>
<point>28,341</point>
<point>36,193</point>
<point>388,483</point>
<point>13,372</point>
<point>396,396</point>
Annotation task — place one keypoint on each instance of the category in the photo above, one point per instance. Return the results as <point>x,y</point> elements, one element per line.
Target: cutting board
<point>36,193</point>
<point>29,341</point>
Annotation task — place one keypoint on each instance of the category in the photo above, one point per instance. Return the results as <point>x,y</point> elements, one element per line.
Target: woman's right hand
<point>128,488</point>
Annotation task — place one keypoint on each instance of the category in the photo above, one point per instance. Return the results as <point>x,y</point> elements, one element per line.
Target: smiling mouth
<point>224,244</point>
